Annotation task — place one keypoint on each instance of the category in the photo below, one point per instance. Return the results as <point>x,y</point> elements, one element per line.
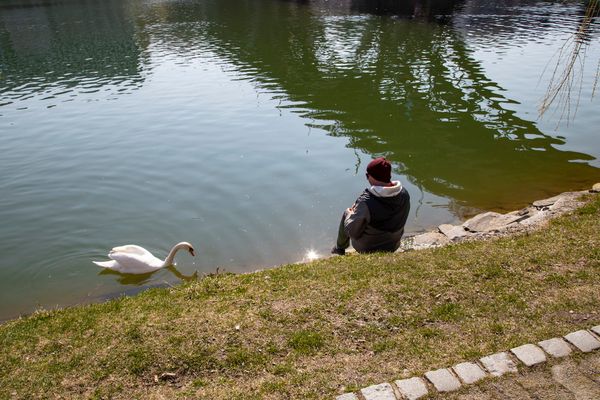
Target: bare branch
<point>567,76</point>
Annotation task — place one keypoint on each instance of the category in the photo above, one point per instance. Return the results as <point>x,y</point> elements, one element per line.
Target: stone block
<point>546,202</point>
<point>469,372</point>
<point>429,239</point>
<point>479,223</point>
<point>523,214</point>
<point>383,391</point>
<point>443,380</point>
<point>596,329</point>
<point>567,201</point>
<point>347,396</point>
<point>490,221</point>
<point>529,354</point>
<point>498,364</point>
<point>453,231</point>
<point>535,218</point>
<point>412,388</point>
<point>556,347</point>
<point>583,340</point>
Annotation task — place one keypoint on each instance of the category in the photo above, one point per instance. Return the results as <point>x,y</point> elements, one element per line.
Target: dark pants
<point>343,240</point>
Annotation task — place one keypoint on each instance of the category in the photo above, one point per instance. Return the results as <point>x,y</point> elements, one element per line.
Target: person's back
<point>387,215</point>
<point>376,220</point>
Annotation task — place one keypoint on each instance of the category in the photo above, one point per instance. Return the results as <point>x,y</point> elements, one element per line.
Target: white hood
<point>386,191</point>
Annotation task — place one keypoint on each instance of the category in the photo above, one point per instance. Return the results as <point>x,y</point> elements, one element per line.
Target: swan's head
<point>188,246</point>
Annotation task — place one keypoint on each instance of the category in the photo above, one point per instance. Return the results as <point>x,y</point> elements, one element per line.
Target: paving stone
<point>498,364</point>
<point>572,378</point>
<point>596,329</point>
<point>347,396</point>
<point>583,340</point>
<point>556,347</point>
<point>383,391</point>
<point>443,380</point>
<point>529,354</point>
<point>412,388</point>
<point>469,372</point>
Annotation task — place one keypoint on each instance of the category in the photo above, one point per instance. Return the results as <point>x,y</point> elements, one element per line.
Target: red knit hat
<point>380,169</point>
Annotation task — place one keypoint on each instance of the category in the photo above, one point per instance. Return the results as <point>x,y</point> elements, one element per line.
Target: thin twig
<point>564,76</point>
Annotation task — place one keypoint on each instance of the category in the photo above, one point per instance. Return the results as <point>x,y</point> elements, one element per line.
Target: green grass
<point>314,330</point>
<point>306,342</point>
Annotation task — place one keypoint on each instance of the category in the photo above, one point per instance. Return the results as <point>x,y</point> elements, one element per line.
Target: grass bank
<point>314,330</point>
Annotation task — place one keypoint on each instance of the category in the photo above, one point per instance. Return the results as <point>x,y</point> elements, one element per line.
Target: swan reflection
<point>142,279</point>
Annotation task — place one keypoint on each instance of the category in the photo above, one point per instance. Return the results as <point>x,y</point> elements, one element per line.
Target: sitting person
<point>376,220</point>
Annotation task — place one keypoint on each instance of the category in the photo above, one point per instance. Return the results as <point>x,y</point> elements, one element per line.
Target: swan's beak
<point>192,252</point>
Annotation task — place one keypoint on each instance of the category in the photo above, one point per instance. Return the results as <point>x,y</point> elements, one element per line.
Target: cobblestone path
<point>575,378</point>
<point>566,368</point>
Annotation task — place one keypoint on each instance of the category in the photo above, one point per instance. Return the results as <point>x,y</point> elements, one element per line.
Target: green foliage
<point>557,279</point>
<point>497,328</point>
<point>138,361</point>
<point>198,360</point>
<point>447,312</point>
<point>242,358</point>
<point>470,354</point>
<point>272,387</point>
<point>199,383</point>
<point>489,271</point>
<point>134,334</point>
<point>384,345</point>
<point>429,333</point>
<point>283,369</point>
<point>514,300</point>
<point>591,208</point>
<point>306,342</point>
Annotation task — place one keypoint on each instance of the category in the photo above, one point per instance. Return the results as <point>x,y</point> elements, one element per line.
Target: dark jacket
<point>377,220</point>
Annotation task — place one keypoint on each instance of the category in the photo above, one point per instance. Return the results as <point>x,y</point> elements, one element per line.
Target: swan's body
<point>132,259</point>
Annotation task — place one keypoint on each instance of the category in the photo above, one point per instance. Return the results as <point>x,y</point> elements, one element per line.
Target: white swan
<point>132,259</point>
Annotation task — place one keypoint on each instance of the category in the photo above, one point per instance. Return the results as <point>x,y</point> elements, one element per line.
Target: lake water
<point>245,127</point>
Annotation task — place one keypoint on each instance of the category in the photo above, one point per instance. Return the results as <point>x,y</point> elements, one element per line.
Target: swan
<point>133,259</point>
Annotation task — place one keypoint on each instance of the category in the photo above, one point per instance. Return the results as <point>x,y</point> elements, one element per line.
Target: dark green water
<point>244,127</point>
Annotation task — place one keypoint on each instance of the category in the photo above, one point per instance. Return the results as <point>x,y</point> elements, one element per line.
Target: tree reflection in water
<point>408,89</point>
<point>394,77</point>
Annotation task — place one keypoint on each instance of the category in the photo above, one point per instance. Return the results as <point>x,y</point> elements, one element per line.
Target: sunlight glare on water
<point>311,255</point>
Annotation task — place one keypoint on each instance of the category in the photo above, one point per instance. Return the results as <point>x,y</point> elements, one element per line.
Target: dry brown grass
<point>313,330</point>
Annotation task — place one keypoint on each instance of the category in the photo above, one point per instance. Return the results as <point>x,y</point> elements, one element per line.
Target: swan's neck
<point>169,260</point>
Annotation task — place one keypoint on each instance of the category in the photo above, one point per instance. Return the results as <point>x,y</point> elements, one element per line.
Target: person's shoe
<point>338,251</point>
